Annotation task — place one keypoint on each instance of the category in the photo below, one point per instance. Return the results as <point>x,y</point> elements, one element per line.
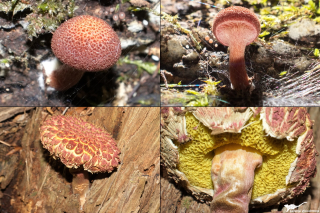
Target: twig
<point>5,143</point>
<point>65,110</point>
<point>28,177</point>
<point>44,179</point>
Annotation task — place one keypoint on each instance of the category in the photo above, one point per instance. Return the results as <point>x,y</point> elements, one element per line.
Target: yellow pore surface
<point>196,156</point>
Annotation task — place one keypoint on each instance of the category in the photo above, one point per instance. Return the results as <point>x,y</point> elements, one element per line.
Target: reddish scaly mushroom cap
<point>86,43</point>
<point>236,24</point>
<point>78,143</point>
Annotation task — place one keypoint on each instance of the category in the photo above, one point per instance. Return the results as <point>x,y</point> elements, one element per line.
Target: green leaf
<point>312,5</point>
<point>192,92</point>
<point>316,52</point>
<point>283,73</point>
<point>264,33</point>
<point>147,66</point>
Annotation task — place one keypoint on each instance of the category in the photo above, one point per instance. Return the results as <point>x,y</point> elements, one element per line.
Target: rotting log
<point>44,184</point>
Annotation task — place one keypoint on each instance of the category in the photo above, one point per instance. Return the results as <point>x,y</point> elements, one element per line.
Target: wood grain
<point>44,184</point>
<point>8,112</point>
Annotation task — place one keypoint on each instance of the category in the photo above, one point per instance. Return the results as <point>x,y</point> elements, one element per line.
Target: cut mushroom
<point>234,157</point>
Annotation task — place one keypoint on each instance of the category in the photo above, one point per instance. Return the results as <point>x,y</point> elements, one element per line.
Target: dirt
<point>190,54</point>
<point>21,81</point>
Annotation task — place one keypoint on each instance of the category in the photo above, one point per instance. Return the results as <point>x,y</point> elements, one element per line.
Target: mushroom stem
<point>237,68</point>
<point>232,175</point>
<point>64,78</point>
<point>60,76</point>
<point>80,184</point>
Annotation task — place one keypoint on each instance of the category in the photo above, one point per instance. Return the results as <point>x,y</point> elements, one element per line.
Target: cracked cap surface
<point>77,143</point>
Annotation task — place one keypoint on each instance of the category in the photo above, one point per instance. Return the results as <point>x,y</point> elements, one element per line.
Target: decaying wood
<point>8,112</point>
<point>10,145</point>
<point>175,199</point>
<point>44,184</point>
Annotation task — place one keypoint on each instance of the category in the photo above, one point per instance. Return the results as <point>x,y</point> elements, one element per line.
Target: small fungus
<point>122,15</point>
<point>238,158</point>
<point>115,17</point>
<point>236,27</point>
<point>81,147</point>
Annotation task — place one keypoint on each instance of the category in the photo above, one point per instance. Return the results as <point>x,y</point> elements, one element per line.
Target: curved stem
<point>232,175</point>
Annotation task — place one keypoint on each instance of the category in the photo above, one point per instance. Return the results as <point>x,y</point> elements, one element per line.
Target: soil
<point>21,83</point>
<point>32,181</point>
<point>282,66</point>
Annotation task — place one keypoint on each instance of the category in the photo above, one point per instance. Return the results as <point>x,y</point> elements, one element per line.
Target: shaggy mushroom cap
<point>86,43</point>
<point>78,143</point>
<point>236,27</point>
<point>233,157</point>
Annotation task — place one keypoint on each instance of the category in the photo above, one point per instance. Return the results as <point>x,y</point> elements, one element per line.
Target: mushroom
<point>233,157</point>
<point>60,77</point>
<point>236,27</point>
<point>87,44</point>
<point>82,147</point>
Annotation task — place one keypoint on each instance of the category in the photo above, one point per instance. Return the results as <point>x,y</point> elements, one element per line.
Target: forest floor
<point>283,61</point>
<point>26,29</point>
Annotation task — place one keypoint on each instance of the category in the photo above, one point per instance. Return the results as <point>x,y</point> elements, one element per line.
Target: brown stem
<point>232,175</point>
<point>237,67</point>
<point>80,184</point>
<point>64,77</point>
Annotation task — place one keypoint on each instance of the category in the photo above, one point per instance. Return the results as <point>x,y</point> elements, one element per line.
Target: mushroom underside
<point>239,167</point>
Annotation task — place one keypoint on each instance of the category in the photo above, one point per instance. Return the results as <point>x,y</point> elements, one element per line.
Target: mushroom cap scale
<point>86,43</point>
<point>78,143</point>
<point>236,24</point>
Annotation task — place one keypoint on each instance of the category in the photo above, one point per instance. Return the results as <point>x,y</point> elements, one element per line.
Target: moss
<point>186,202</point>
<point>281,14</point>
<point>196,156</point>
<point>14,6</point>
<point>47,15</point>
<point>174,21</point>
<point>141,65</point>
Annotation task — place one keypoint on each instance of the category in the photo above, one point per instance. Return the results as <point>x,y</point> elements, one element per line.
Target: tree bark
<point>44,184</point>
